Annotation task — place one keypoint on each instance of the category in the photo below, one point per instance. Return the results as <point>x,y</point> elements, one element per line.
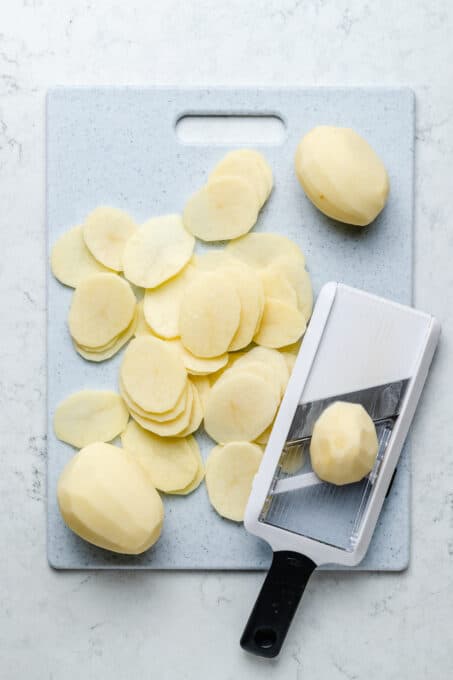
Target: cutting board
<point>119,147</point>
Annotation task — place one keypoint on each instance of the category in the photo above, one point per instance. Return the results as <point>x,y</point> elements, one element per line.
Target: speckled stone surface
<point>119,147</point>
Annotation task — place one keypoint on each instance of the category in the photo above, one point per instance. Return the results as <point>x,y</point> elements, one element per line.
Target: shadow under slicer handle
<point>277,602</point>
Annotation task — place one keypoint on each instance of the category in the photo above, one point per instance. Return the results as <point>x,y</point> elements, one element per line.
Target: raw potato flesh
<point>196,415</point>
<point>183,403</point>
<point>250,291</point>
<point>195,483</point>
<point>225,208</point>
<point>170,463</point>
<point>197,366</point>
<point>71,261</point>
<point>282,324</point>
<point>202,384</point>
<point>106,231</point>
<point>158,250</point>
<point>240,406</point>
<point>142,326</point>
<point>210,315</point>
<point>101,355</point>
<point>161,305</point>
<point>260,250</point>
<point>90,416</point>
<point>300,280</point>
<point>230,471</point>
<point>276,285</point>
<point>344,444</point>
<point>107,499</point>
<point>293,459</point>
<point>342,175</point>
<point>271,359</point>
<point>247,164</point>
<point>102,307</point>
<point>171,428</point>
<point>153,374</point>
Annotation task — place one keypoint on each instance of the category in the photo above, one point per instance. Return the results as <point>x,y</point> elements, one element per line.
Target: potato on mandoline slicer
<point>360,349</point>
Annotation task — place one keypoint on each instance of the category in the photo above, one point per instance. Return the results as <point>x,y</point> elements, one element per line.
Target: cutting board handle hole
<point>231,129</point>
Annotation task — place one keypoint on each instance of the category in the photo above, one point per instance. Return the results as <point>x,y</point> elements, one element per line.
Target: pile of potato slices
<point>212,336</point>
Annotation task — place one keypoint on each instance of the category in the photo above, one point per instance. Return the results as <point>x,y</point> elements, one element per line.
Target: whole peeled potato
<point>342,175</point>
<point>344,444</point>
<point>107,499</point>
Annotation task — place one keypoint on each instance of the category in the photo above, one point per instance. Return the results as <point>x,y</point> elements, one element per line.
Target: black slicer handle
<point>277,602</point>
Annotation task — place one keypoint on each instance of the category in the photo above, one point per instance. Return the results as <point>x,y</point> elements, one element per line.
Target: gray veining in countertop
<point>186,626</point>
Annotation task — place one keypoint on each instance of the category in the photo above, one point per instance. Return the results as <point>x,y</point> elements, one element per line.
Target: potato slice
<point>225,208</point>
<point>71,261</point>
<point>210,315</point>
<point>161,305</point>
<point>105,232</point>
<point>276,285</point>
<point>290,360</point>
<point>183,404</point>
<point>142,326</point>
<point>230,471</point>
<point>195,483</point>
<point>249,165</point>
<point>196,415</point>
<point>202,384</point>
<point>240,406</point>
<point>300,280</point>
<point>90,416</point>
<point>168,428</point>
<point>260,250</point>
<point>250,291</point>
<point>158,250</point>
<point>196,365</point>
<point>264,436</point>
<point>98,355</point>
<point>271,359</point>
<point>102,307</point>
<point>213,260</point>
<point>153,374</point>
<point>106,498</point>
<point>281,324</point>
<point>170,463</point>
<point>344,444</point>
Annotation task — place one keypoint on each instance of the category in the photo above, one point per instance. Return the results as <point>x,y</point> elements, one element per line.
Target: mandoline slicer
<point>358,348</point>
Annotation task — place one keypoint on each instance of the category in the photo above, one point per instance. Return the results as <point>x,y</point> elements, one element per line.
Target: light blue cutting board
<point>119,147</point>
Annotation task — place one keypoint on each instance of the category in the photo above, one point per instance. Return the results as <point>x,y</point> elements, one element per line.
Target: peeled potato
<point>210,315</point>
<point>105,232</point>
<point>272,360</point>
<point>103,306</point>
<point>161,305</point>
<point>250,291</point>
<point>153,374</point>
<point>107,499</point>
<point>158,250</point>
<point>230,471</point>
<point>281,324</point>
<point>171,464</point>
<point>71,261</point>
<point>225,208</point>
<point>342,175</point>
<point>112,348</point>
<point>248,164</point>
<point>195,483</point>
<point>90,416</point>
<point>260,250</point>
<point>344,444</point>
<point>196,415</point>
<point>239,407</point>
<point>300,281</point>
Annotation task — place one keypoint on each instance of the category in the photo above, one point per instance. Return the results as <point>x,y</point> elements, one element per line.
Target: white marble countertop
<point>186,626</point>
